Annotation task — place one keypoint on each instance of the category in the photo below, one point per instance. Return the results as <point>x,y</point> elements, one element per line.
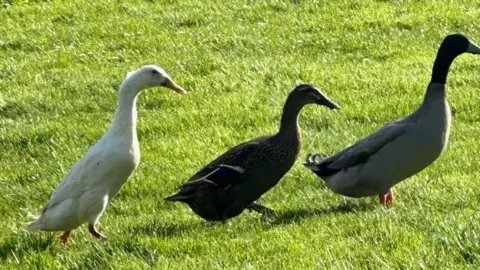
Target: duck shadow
<point>22,245</point>
<point>162,230</point>
<point>296,215</point>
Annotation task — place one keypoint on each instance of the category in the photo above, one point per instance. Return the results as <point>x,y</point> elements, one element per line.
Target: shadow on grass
<point>163,230</point>
<point>20,246</point>
<point>292,216</point>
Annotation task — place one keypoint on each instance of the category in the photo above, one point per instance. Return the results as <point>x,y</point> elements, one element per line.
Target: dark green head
<point>451,47</point>
<point>457,44</point>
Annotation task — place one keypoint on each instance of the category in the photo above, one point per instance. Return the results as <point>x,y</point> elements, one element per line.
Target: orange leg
<point>387,199</point>
<point>64,238</point>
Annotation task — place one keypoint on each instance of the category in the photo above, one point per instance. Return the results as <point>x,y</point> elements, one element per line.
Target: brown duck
<point>235,180</point>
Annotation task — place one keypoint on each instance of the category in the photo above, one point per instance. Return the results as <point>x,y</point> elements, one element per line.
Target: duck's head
<point>309,94</point>
<point>457,44</point>
<point>151,76</point>
<point>451,47</point>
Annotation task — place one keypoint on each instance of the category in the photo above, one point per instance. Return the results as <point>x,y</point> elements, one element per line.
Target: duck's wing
<point>360,152</point>
<point>225,171</point>
<point>241,156</point>
<point>81,177</point>
<point>224,176</point>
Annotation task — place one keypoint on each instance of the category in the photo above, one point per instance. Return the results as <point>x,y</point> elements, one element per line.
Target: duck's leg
<point>387,199</point>
<point>64,237</point>
<point>260,209</point>
<point>101,205</point>
<point>95,233</point>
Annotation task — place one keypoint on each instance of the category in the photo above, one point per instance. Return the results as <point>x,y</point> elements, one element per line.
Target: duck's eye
<point>155,72</point>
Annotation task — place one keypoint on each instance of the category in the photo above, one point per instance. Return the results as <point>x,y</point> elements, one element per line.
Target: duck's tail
<point>317,164</point>
<point>35,225</point>
<point>178,198</point>
<point>186,193</point>
<point>313,160</point>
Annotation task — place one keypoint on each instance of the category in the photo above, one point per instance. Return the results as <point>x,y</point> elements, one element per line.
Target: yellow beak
<point>175,87</point>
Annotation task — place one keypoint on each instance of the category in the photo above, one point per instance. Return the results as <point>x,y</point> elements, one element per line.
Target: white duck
<point>94,181</point>
<point>400,149</point>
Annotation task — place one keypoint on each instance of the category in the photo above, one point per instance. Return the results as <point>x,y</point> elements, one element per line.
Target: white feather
<point>94,180</point>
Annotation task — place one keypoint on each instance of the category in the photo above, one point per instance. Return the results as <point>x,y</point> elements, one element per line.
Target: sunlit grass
<point>60,66</point>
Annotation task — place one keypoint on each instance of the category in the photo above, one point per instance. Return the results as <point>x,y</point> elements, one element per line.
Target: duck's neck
<point>436,88</point>
<point>445,56</point>
<point>441,66</point>
<point>125,121</point>
<point>435,92</point>
<point>289,124</point>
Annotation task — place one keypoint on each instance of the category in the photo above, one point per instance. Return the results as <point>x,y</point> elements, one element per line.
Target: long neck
<point>441,66</point>
<point>289,123</point>
<point>436,88</point>
<point>125,121</point>
<point>435,92</point>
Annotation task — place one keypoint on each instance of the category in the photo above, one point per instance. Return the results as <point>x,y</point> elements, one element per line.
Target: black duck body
<point>235,180</point>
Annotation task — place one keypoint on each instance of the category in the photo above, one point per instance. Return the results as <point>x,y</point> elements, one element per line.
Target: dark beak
<point>473,48</point>
<point>324,101</point>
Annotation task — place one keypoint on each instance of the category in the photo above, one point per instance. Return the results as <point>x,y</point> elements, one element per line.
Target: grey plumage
<point>400,149</point>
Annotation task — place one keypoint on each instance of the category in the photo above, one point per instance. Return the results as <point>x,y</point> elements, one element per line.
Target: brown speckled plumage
<point>233,181</point>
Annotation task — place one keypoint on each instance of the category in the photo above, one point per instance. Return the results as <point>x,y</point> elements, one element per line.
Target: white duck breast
<point>400,149</point>
<point>93,181</point>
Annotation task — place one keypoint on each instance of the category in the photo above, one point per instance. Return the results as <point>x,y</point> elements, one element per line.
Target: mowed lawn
<point>61,63</point>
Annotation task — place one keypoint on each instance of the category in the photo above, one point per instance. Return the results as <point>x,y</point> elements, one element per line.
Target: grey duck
<point>235,180</point>
<point>400,149</point>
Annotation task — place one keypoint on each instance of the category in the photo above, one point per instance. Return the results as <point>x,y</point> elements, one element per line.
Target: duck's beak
<point>174,86</point>
<point>473,48</point>
<point>324,101</point>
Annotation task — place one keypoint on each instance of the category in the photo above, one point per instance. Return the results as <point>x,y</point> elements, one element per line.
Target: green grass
<point>60,66</point>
